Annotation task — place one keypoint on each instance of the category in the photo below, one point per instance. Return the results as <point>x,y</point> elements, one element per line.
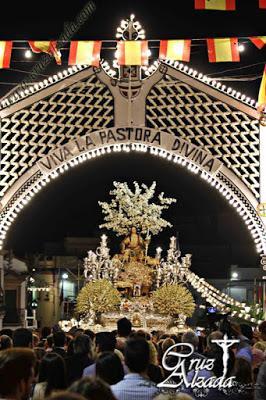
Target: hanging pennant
<point>85,53</point>
<point>175,50</point>
<point>222,5</point>
<point>223,50</point>
<point>262,3</point>
<point>132,52</point>
<point>259,41</point>
<point>46,47</point>
<point>262,93</point>
<point>5,54</point>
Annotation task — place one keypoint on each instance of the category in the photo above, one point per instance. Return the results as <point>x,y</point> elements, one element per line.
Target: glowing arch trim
<point>140,139</point>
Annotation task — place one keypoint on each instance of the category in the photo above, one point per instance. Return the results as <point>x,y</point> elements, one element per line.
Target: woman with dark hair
<point>81,358</point>
<point>52,376</point>
<point>92,389</point>
<point>109,368</point>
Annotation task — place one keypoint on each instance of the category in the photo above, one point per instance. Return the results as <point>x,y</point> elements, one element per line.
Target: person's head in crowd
<point>59,339</point>
<point>16,373</point>
<point>137,355</point>
<point>5,342</point>
<point>242,371</point>
<point>46,331</point>
<point>153,353</point>
<point>202,343</point>
<point>56,328</point>
<point>109,368</point>
<point>190,337</point>
<point>35,340</point>
<point>22,337</point>
<point>72,331</point>
<point>262,330</point>
<point>82,345</point>
<point>247,331</point>
<point>53,371</point>
<point>215,335</point>
<point>39,352</point>
<point>105,341</point>
<point>175,338</point>
<point>225,327</point>
<point>92,389</point>
<point>173,396</point>
<point>124,327</point>
<point>235,330</point>
<point>7,332</point>
<point>90,333</point>
<point>144,334</point>
<point>65,395</point>
<point>70,348</point>
<point>155,335</point>
<point>164,336</point>
<point>261,345</point>
<point>78,331</point>
<point>168,342</point>
<point>49,342</point>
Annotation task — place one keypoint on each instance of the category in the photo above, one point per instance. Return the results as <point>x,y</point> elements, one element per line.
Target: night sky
<point>207,226</point>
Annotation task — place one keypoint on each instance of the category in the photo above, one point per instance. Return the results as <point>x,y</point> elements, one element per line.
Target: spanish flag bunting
<point>259,41</point>
<point>46,47</point>
<point>262,93</point>
<point>223,50</point>
<point>262,3</point>
<point>85,53</point>
<point>175,50</point>
<point>5,54</point>
<point>223,5</point>
<point>132,52</point>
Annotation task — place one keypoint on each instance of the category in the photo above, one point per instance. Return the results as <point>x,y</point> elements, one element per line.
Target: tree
<point>133,208</point>
<point>97,297</point>
<point>173,300</point>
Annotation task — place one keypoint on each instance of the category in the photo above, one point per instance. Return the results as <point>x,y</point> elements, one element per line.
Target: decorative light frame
<point>148,71</point>
<point>219,182</point>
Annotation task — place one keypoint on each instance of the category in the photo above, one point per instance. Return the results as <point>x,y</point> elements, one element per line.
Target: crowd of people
<point>126,364</point>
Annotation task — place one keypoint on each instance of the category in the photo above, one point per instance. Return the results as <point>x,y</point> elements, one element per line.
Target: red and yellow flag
<point>259,41</point>
<point>46,47</point>
<point>132,52</point>
<point>85,53</point>
<point>262,93</point>
<point>262,3</point>
<point>5,54</point>
<point>223,5</point>
<point>175,50</point>
<point>223,50</point>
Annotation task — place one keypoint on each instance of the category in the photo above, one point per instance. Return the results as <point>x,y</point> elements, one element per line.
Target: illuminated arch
<point>230,187</point>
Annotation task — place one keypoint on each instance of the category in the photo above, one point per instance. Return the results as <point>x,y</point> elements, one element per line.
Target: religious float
<point>153,292</point>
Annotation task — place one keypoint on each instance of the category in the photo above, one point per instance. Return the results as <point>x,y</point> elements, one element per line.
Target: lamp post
<point>62,300</point>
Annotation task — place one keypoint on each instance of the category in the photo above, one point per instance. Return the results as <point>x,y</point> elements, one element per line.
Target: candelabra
<point>174,269</point>
<point>99,265</point>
